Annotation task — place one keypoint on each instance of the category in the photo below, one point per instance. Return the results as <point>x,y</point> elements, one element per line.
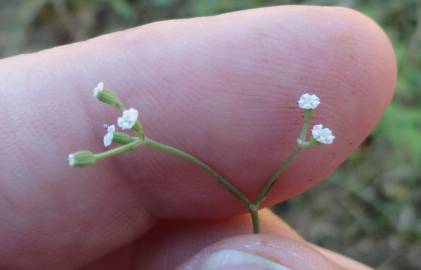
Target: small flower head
<point>81,159</point>
<point>99,88</point>
<point>322,135</point>
<point>128,119</point>
<point>108,137</point>
<point>308,101</point>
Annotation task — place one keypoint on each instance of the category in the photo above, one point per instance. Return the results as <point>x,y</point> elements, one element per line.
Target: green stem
<point>255,220</point>
<point>307,116</point>
<point>138,128</point>
<point>301,144</point>
<point>121,149</point>
<point>272,180</point>
<point>225,182</point>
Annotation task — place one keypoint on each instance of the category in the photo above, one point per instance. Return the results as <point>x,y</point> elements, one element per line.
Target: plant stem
<point>302,143</point>
<point>138,128</point>
<point>255,219</point>
<point>272,180</point>
<point>307,116</point>
<point>225,182</point>
<point>121,149</point>
<point>252,207</point>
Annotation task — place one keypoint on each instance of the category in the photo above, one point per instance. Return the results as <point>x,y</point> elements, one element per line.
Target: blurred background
<point>368,209</point>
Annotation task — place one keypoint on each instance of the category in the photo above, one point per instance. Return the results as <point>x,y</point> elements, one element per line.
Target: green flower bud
<point>81,159</point>
<point>107,96</point>
<point>121,138</point>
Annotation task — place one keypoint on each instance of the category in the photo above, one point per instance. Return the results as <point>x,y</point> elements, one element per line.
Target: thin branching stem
<point>255,219</point>
<point>224,181</point>
<point>301,144</point>
<point>253,208</point>
<point>121,149</point>
<point>273,179</point>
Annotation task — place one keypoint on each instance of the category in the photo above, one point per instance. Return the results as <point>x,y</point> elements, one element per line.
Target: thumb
<point>259,252</point>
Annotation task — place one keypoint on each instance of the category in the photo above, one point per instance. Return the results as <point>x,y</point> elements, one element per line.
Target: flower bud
<point>107,96</point>
<point>121,138</point>
<point>81,159</point>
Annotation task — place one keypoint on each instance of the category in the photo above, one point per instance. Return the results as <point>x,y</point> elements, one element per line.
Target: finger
<point>223,88</point>
<point>172,242</point>
<point>259,252</point>
<point>177,242</point>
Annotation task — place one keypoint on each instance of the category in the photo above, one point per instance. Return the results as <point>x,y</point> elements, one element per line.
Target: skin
<point>223,88</point>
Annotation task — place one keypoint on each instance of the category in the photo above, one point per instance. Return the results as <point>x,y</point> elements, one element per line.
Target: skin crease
<point>223,88</point>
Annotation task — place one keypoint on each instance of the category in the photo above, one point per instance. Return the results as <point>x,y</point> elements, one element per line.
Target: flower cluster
<point>321,135</point>
<point>128,120</point>
<point>308,102</point>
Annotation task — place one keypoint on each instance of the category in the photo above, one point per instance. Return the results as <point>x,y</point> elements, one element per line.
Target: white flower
<point>98,88</point>
<point>128,119</point>
<point>308,101</point>
<point>108,137</point>
<point>322,135</point>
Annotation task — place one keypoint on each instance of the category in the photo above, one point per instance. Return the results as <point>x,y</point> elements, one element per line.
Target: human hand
<point>223,88</point>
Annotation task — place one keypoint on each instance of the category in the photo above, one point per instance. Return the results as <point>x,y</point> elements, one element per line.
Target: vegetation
<point>376,192</point>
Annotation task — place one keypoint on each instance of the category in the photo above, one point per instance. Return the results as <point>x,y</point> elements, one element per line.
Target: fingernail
<point>230,259</point>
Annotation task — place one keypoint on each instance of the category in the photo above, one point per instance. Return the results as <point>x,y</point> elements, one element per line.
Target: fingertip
<point>348,60</point>
<point>379,50</point>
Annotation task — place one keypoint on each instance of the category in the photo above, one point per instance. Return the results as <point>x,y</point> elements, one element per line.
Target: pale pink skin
<point>223,88</point>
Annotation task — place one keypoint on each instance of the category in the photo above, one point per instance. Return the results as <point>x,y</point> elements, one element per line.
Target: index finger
<point>223,88</point>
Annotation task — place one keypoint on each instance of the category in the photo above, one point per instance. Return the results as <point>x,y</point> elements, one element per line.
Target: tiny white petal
<point>322,135</point>
<point>108,137</point>
<point>308,101</point>
<point>98,88</point>
<point>111,129</point>
<point>71,159</point>
<point>128,119</point>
